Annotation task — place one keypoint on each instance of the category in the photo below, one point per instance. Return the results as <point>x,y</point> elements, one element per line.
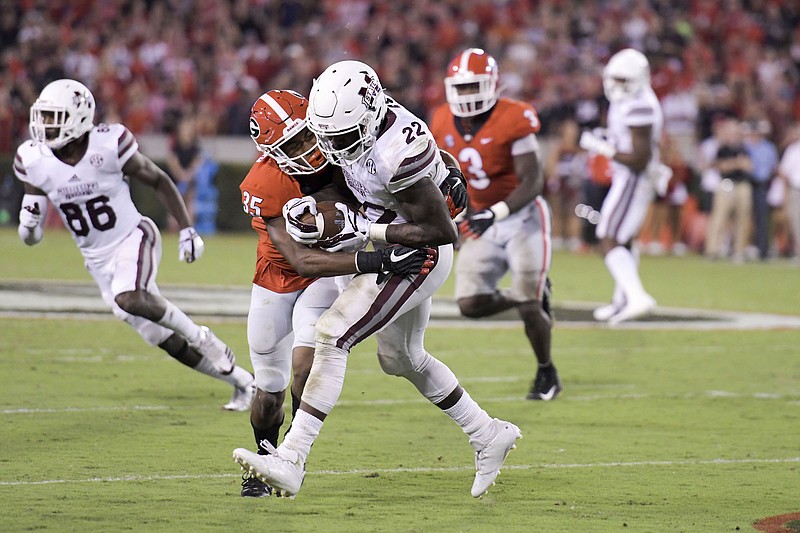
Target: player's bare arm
<point>308,262</point>
<point>642,152</point>
<point>143,169</point>
<point>314,262</point>
<point>527,166</point>
<point>423,204</point>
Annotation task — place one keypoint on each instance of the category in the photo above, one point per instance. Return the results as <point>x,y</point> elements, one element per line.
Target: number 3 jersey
<point>486,155</point>
<point>92,197</point>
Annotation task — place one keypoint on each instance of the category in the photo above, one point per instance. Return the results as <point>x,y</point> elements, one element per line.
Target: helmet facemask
<point>470,95</point>
<point>348,145</point>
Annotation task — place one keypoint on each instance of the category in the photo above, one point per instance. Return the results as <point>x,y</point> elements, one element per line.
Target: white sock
<point>238,378</point>
<point>177,321</point>
<point>473,420</point>
<point>622,266</point>
<point>305,430</point>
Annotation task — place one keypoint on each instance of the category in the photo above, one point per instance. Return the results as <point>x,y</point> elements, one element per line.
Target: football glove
<point>190,245</point>
<point>299,231</point>
<point>30,216</point>
<point>477,223</point>
<point>454,191</point>
<point>353,235</point>
<point>595,143</point>
<point>397,259</point>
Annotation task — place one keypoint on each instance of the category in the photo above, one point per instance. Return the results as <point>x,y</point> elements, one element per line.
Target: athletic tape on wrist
<point>500,210</point>
<point>377,233</point>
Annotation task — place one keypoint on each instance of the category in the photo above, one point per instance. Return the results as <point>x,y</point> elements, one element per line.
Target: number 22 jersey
<point>92,197</point>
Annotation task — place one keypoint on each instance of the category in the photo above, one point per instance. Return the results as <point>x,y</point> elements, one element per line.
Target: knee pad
<point>395,364</point>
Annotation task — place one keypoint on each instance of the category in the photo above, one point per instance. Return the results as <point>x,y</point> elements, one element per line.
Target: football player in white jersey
<point>393,167</point>
<point>632,144</point>
<point>81,169</point>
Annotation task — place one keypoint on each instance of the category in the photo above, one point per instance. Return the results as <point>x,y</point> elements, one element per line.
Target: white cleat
<point>217,351</point>
<point>281,470</point>
<point>635,308</point>
<point>489,459</point>
<point>603,313</point>
<point>242,398</point>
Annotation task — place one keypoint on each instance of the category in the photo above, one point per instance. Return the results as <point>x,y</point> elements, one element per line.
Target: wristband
<point>500,210</point>
<point>377,233</point>
<point>368,262</point>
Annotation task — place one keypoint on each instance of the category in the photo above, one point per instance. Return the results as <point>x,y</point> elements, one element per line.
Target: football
<point>329,220</point>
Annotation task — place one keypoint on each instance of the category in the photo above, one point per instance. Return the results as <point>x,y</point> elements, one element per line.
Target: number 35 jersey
<point>92,197</point>
<point>486,156</point>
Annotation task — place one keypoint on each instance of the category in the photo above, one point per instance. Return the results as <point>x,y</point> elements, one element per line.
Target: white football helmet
<point>63,112</point>
<point>346,107</point>
<point>626,73</point>
<point>471,83</point>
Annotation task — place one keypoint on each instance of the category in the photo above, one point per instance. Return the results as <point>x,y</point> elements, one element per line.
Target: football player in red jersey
<point>507,226</point>
<point>289,293</point>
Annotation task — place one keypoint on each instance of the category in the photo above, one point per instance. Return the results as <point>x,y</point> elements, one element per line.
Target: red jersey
<point>264,191</point>
<point>485,156</point>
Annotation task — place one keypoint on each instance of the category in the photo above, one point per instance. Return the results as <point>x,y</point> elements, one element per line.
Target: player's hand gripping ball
<point>329,220</point>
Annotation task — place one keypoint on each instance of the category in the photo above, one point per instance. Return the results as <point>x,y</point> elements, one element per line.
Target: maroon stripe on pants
<point>625,203</point>
<point>412,287</point>
<point>142,278</point>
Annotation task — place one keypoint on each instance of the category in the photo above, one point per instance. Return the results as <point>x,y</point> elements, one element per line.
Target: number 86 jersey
<point>92,197</point>
<point>486,155</point>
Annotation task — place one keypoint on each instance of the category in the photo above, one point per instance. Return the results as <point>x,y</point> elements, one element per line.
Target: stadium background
<point>151,62</point>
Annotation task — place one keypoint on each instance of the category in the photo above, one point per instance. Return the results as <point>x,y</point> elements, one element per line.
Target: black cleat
<point>546,386</point>
<point>252,487</point>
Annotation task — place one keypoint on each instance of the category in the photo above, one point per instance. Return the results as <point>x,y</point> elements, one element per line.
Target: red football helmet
<point>278,127</point>
<point>471,83</point>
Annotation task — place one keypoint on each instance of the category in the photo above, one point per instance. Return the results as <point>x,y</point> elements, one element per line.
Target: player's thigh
<point>480,265</point>
<point>135,263</point>
<point>530,254</point>
<point>366,307</point>
<point>315,300</point>
<point>625,208</point>
<point>270,338</point>
<point>269,319</point>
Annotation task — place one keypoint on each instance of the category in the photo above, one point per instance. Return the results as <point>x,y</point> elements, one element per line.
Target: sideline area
<point>61,299</point>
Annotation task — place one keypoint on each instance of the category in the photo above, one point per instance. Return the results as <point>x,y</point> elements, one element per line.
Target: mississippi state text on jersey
<point>92,197</point>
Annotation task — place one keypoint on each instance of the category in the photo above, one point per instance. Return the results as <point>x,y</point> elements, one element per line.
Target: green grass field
<point>657,430</point>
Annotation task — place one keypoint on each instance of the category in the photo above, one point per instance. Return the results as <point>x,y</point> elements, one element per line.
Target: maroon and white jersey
<point>404,153</point>
<point>92,197</point>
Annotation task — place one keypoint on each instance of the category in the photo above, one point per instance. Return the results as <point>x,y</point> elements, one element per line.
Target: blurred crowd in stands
<point>722,68</point>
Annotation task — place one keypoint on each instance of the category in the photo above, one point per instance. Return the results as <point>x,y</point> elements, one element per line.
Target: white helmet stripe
<point>464,65</point>
<point>270,101</point>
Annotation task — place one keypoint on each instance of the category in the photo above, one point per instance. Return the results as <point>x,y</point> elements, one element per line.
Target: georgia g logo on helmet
<point>255,130</point>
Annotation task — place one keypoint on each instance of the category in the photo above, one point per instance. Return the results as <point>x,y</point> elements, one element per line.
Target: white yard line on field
<point>791,399</point>
<point>359,472</point>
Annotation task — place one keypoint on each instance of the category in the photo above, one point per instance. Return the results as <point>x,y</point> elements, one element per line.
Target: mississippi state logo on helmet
<point>279,128</point>
<point>471,83</point>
